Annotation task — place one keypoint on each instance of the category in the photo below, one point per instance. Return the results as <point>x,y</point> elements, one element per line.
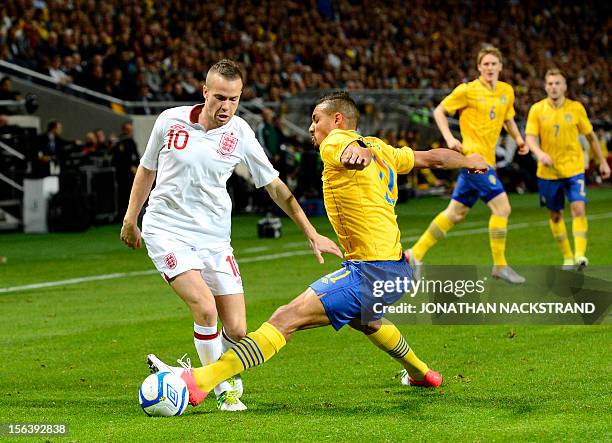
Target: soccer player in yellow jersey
<point>360,191</point>
<point>485,105</point>
<point>557,121</point>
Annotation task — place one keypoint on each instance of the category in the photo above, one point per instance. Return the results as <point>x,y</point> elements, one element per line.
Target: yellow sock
<point>389,339</point>
<point>580,227</point>
<point>254,349</point>
<point>498,228</point>
<point>437,230</point>
<point>560,234</point>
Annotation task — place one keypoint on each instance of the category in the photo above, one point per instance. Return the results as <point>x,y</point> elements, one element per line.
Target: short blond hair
<point>554,71</point>
<point>489,50</point>
<point>226,68</point>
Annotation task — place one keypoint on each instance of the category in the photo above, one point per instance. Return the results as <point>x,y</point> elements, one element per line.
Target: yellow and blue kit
<point>558,129</point>
<point>361,208</point>
<point>483,111</point>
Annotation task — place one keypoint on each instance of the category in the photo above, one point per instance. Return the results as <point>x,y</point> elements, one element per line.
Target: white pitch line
<point>511,227</point>
<point>269,257</point>
<point>74,281</point>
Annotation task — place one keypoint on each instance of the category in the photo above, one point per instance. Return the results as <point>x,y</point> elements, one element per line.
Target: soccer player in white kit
<point>191,153</point>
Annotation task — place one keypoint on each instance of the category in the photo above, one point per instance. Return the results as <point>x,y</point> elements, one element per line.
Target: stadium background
<point>96,65</point>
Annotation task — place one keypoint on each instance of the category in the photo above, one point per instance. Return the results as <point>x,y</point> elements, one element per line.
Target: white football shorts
<point>219,269</point>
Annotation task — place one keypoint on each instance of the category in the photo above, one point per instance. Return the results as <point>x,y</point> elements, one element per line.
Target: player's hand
<point>320,244</point>
<point>476,164</point>
<point>130,234</point>
<point>545,160</point>
<point>604,170</point>
<point>523,149</point>
<point>355,157</point>
<point>454,144</point>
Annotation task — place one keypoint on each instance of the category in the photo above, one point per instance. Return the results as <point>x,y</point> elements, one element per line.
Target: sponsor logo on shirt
<point>170,260</point>
<point>228,144</point>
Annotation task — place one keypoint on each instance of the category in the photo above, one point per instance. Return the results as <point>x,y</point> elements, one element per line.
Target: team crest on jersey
<point>170,260</point>
<point>568,118</point>
<point>227,145</point>
<point>503,99</point>
<point>492,180</point>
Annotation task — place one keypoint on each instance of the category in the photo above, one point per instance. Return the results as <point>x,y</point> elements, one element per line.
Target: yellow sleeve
<point>455,100</point>
<point>510,112</point>
<point>333,146</point>
<point>584,125</point>
<point>533,122</point>
<point>404,159</point>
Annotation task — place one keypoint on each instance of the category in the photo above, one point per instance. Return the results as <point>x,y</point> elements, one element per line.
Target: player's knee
<point>556,216</point>
<point>456,216</point>
<point>506,211</point>
<point>203,313</point>
<point>578,211</point>
<point>236,331</point>
<point>503,211</point>
<point>367,329</point>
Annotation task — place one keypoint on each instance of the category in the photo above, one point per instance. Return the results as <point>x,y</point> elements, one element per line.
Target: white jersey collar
<point>194,113</point>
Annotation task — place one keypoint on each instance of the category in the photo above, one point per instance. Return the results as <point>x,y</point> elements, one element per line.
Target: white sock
<point>207,342</point>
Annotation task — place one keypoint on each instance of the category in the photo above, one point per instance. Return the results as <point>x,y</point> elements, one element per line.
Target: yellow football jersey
<point>558,129</point>
<point>483,113</point>
<point>361,204</point>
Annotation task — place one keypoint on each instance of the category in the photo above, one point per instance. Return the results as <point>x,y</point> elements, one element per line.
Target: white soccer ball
<point>163,394</point>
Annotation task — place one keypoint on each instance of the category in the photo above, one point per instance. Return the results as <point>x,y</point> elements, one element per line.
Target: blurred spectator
<point>143,98</point>
<point>7,93</point>
<point>125,159</point>
<point>269,136</point>
<point>49,151</point>
<point>56,71</point>
<point>102,145</point>
<point>592,173</point>
<point>89,145</point>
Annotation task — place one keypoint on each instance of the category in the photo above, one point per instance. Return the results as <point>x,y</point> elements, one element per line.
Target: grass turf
<point>76,353</point>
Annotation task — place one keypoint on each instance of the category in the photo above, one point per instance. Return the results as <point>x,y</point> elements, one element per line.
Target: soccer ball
<point>163,394</point>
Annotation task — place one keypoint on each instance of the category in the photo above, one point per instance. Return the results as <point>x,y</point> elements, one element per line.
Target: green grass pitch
<point>75,353</point>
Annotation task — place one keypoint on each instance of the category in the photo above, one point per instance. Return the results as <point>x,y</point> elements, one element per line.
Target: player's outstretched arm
<point>534,146</point>
<point>143,182</point>
<point>604,168</point>
<point>442,122</point>
<point>449,159</point>
<point>282,196</point>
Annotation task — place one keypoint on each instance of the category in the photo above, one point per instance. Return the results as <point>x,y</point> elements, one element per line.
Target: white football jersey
<point>190,201</point>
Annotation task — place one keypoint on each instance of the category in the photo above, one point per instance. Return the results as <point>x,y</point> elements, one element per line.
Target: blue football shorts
<point>553,192</point>
<point>357,290</point>
<point>471,187</point>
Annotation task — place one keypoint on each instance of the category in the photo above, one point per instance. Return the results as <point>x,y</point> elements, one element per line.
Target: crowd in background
<point>158,50</point>
<point>51,154</point>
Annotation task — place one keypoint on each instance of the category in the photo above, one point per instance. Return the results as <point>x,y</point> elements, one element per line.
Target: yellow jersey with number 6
<point>483,113</point>
<point>558,129</point>
<point>361,204</point>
